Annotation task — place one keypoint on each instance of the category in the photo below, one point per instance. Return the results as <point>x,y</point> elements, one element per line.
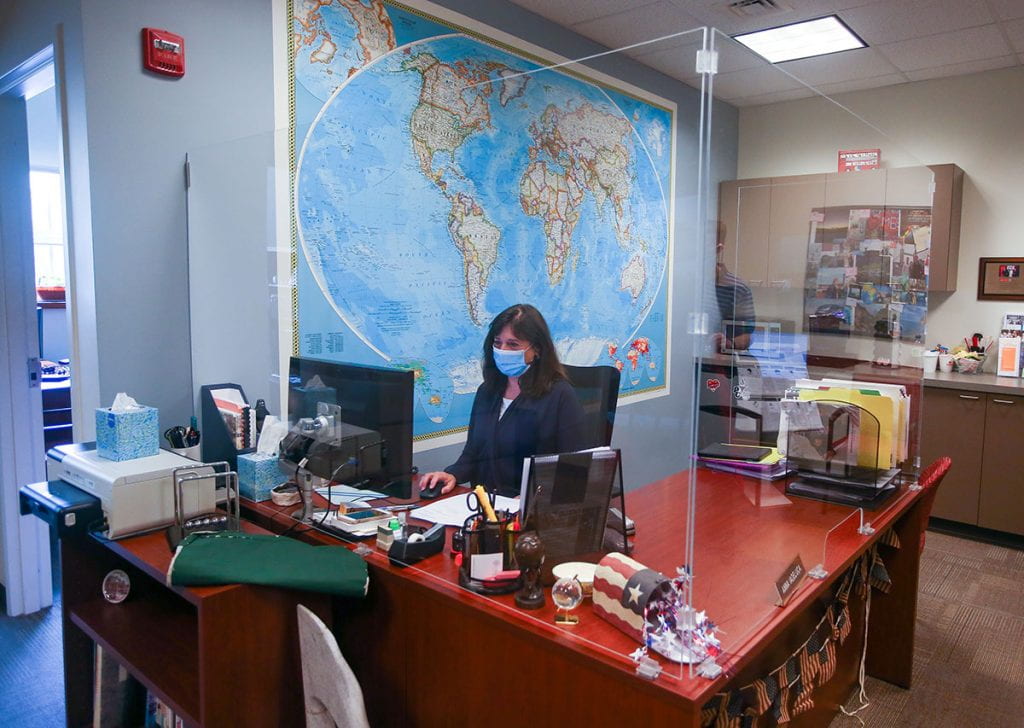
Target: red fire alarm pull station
<point>163,52</point>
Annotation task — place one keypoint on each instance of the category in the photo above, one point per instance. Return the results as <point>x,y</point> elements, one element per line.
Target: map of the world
<point>440,177</point>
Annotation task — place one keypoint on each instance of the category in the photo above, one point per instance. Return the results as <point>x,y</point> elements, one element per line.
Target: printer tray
<point>67,509</point>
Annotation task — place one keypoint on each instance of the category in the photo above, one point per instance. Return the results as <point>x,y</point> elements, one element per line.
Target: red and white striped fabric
<point>622,589</point>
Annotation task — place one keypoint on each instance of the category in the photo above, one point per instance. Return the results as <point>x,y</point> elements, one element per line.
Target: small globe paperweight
<point>116,586</point>
<point>566,593</point>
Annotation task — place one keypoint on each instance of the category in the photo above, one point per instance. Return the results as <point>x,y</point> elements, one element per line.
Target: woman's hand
<point>446,480</point>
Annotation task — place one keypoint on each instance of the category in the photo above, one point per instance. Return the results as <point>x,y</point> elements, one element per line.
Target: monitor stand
<point>308,484</point>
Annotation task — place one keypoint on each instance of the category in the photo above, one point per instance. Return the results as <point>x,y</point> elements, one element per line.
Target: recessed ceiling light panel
<point>802,40</point>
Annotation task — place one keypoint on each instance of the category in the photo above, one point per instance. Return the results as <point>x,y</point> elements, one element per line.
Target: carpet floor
<point>969,645</point>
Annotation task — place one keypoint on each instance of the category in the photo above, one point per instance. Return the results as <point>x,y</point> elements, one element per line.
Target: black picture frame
<point>1001,279</point>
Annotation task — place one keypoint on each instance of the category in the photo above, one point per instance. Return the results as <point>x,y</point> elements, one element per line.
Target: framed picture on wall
<point>1001,279</point>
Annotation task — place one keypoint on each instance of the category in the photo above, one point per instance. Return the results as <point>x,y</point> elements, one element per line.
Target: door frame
<point>26,544</point>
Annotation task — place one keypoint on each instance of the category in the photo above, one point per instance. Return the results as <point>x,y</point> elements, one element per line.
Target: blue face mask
<point>510,363</point>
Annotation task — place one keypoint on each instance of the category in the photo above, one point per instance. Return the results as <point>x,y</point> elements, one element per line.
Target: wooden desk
<point>218,656</point>
<point>430,653</point>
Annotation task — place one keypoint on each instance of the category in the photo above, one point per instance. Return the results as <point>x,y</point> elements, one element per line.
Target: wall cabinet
<point>981,433</point>
<point>767,219</point>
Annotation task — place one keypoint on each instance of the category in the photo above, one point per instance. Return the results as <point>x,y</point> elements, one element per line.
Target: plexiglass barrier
<point>444,175</point>
<point>809,386</point>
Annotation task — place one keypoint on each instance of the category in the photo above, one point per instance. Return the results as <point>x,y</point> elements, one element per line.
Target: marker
<point>485,504</point>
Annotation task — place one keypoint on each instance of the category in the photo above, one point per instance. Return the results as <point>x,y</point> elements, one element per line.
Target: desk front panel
<point>419,617</point>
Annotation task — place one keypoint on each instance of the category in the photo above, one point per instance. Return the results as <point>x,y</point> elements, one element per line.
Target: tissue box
<point>258,474</point>
<point>127,435</point>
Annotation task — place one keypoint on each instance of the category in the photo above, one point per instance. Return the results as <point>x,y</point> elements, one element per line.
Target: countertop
<point>985,382</point>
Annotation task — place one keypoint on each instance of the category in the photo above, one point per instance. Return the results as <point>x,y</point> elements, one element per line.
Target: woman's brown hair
<point>528,325</point>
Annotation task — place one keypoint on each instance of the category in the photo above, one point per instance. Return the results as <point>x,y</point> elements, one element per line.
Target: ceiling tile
<point>716,14</point>
<point>946,49</point>
<point>567,12</point>
<point>845,66</point>
<point>679,62</point>
<point>961,69</point>
<point>636,25</point>
<point>773,98</point>
<point>752,81</point>
<point>684,44</point>
<point>1015,32</point>
<point>1008,9</point>
<point>859,84</point>
<point>888,22</point>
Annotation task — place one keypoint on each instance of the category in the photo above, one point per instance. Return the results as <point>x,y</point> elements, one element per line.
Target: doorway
<point>46,189</point>
<point>25,548</point>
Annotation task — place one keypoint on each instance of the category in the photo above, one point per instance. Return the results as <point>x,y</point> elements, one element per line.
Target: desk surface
<point>742,546</point>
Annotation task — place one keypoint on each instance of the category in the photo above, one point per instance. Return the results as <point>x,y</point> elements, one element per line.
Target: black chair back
<point>598,391</point>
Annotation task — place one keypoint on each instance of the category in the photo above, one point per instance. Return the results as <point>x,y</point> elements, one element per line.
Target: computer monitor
<point>354,421</point>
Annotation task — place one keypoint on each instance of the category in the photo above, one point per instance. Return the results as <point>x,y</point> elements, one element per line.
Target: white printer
<point>136,495</point>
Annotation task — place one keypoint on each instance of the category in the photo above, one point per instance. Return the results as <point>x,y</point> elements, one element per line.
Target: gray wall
<point>138,129</point>
<point>135,129</point>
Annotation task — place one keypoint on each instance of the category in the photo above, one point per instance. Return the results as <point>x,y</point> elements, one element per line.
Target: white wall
<point>973,121</point>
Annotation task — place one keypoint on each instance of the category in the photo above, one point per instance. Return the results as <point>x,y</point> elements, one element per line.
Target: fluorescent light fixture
<point>802,40</point>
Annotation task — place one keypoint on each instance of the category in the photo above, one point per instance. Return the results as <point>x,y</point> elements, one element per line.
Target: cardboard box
<point>127,435</point>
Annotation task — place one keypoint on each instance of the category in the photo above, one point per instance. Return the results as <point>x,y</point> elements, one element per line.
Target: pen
<point>399,507</point>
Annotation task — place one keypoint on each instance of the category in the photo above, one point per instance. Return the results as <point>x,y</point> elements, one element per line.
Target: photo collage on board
<point>867,271</point>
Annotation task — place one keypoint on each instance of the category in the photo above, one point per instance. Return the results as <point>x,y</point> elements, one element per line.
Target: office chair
<point>333,696</point>
<point>929,481</point>
<point>598,391</point>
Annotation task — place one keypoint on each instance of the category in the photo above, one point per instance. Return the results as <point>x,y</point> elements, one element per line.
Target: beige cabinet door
<point>745,210</point>
<point>856,189</point>
<point>909,187</point>
<point>1002,471</point>
<point>792,200</point>
<point>953,424</point>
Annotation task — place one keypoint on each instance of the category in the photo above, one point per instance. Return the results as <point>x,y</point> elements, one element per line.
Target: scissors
<point>474,504</point>
<point>176,436</point>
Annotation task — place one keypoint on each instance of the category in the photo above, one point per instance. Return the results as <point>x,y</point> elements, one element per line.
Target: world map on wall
<point>440,178</point>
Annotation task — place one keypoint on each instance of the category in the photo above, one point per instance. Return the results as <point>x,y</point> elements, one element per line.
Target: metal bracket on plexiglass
<point>865,528</point>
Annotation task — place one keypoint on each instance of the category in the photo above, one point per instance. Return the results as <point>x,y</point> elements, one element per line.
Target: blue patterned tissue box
<point>127,435</point>
<point>258,474</point>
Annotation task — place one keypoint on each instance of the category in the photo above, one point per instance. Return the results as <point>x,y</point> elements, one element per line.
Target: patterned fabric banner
<point>788,689</point>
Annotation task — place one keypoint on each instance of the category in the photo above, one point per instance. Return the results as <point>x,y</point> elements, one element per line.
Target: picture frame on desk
<point>1001,279</point>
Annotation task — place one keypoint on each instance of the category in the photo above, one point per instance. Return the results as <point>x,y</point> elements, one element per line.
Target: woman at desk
<point>524,407</point>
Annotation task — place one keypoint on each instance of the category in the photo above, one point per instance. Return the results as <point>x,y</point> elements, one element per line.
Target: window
<point>47,227</point>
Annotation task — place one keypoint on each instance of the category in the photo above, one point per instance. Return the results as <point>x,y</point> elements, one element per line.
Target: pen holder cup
<point>483,542</point>
<point>192,453</point>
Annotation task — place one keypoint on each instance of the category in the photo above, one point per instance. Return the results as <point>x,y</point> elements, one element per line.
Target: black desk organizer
<point>216,440</point>
<point>823,461</point>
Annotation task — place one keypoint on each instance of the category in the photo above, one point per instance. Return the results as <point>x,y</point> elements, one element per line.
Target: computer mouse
<point>432,492</point>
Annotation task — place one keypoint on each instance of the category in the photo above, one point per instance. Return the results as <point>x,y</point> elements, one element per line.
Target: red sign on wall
<point>854,160</point>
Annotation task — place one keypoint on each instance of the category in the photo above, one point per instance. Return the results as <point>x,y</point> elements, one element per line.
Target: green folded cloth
<point>232,557</point>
